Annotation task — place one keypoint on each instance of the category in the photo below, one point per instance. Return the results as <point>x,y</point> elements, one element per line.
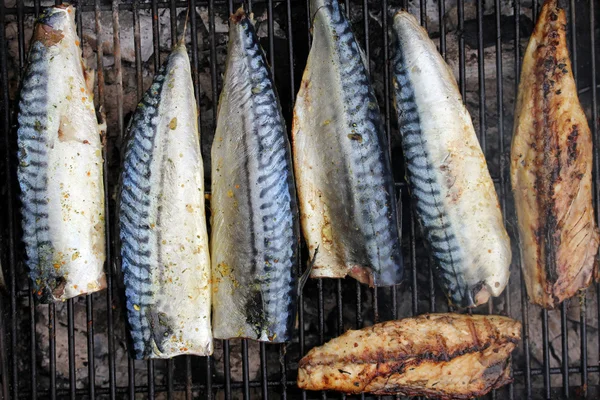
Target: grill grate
<point>35,362</point>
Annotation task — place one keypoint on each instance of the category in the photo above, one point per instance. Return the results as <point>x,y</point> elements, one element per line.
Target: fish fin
<point>101,115</point>
<point>306,274</point>
<point>187,15</point>
<point>363,56</point>
<point>237,16</point>
<point>315,6</point>
<point>89,75</point>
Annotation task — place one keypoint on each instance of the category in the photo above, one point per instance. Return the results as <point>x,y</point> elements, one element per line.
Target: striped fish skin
<point>551,169</point>
<point>60,165</point>
<point>255,233</point>
<point>454,195</point>
<point>163,233</point>
<point>343,170</point>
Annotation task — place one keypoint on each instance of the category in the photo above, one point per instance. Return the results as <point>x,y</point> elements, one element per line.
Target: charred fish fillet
<point>343,170</point>
<point>60,165</point>
<point>551,169</point>
<point>255,233</point>
<point>453,193</point>
<point>164,241</point>
<point>438,355</point>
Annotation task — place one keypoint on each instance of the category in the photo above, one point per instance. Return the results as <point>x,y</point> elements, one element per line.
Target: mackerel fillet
<point>449,356</point>
<point>254,230</point>
<point>551,169</point>
<point>60,165</point>
<point>164,241</point>
<point>454,196</point>
<point>341,160</point>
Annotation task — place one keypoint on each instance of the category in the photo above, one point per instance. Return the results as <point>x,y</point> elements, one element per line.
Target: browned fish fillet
<point>437,355</point>
<point>551,169</point>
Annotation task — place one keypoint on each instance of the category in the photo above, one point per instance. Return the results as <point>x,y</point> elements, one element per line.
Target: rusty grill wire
<point>340,304</point>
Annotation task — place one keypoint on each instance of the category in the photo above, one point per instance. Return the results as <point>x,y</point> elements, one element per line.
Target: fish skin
<point>453,193</point>
<point>254,230</point>
<point>163,233</point>
<point>446,356</point>
<point>343,169</point>
<point>60,168</point>
<point>551,169</point>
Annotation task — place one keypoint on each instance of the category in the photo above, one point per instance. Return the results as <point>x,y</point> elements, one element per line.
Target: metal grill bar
<point>71,333</point>
<point>90,343</point>
<point>237,385</point>
<point>32,308</point>
<point>139,94</point>
<point>461,48</point>
<point>481,72</point>
<point>546,352</point>
<point>33,345</point>
<point>11,220</point>
<point>245,368</point>
<point>502,144</point>
<point>565,350</point>
<point>323,313</point>
<point>594,127</point>
<point>263,368</point>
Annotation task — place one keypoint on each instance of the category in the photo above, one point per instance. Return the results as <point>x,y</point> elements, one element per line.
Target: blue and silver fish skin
<point>60,169</point>
<point>254,230</point>
<point>454,195</point>
<point>162,223</point>
<point>341,159</point>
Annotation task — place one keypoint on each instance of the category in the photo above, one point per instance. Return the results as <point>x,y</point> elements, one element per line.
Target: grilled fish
<point>343,170</point>
<point>60,168</point>
<point>254,231</point>
<point>551,169</point>
<point>453,193</point>
<point>438,355</point>
<point>164,241</point>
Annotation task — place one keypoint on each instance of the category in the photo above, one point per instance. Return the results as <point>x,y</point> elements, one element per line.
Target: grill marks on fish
<point>254,293</point>
<point>551,168</point>
<point>355,222</point>
<point>548,172</point>
<point>453,193</point>
<point>60,165</point>
<point>438,355</point>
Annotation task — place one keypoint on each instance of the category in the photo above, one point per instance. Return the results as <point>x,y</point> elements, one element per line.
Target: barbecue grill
<point>78,349</point>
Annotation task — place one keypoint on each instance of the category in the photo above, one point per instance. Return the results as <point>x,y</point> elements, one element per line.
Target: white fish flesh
<point>254,230</point>
<point>343,171</point>
<point>60,164</point>
<point>454,195</point>
<point>164,241</point>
